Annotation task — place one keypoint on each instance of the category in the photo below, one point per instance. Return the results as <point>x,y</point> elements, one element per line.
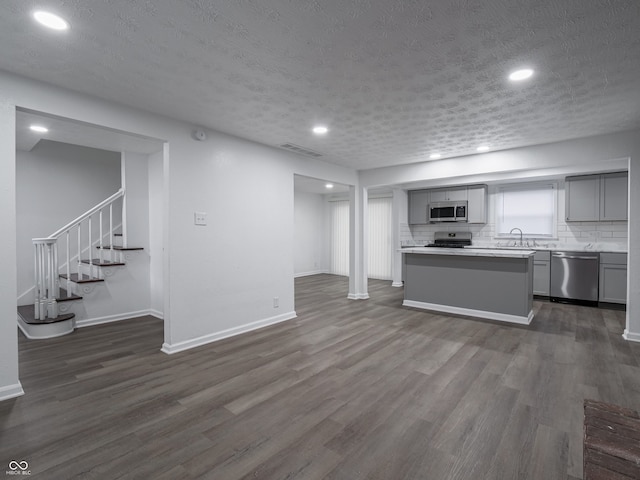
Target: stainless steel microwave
<point>448,211</point>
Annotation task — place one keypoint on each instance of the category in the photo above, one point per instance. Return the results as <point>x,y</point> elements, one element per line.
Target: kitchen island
<point>486,283</point>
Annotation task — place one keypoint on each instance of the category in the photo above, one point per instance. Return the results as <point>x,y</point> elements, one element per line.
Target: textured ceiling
<point>393,79</point>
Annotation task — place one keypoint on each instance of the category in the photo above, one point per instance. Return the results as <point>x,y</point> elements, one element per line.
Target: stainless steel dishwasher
<point>574,276</point>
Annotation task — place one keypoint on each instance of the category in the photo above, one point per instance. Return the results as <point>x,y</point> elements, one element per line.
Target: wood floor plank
<point>347,390</point>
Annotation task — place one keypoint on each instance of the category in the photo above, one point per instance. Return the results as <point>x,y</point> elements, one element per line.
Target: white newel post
<point>46,278</point>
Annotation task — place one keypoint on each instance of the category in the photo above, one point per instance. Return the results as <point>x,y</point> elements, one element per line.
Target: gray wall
<point>310,238</point>
<point>55,183</point>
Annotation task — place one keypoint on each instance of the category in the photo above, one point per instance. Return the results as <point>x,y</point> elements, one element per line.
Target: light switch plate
<point>200,218</point>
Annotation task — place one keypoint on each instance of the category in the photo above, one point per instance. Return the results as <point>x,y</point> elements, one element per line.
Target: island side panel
<point>491,284</point>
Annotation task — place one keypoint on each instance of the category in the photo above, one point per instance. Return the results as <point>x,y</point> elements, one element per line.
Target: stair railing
<point>46,264</point>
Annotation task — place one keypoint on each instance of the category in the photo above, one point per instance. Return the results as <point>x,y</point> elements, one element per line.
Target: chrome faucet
<point>516,228</point>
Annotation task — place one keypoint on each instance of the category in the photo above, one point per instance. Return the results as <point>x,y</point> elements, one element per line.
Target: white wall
<point>156,202</point>
<point>9,382</point>
<point>221,279</point>
<point>310,234</point>
<point>55,183</point>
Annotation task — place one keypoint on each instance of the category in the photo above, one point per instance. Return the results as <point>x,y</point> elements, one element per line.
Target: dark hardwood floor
<point>348,390</point>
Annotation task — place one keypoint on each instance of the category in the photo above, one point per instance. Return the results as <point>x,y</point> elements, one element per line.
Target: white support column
<point>399,218</point>
<point>358,239</point>
<point>123,185</point>
<point>632,330</point>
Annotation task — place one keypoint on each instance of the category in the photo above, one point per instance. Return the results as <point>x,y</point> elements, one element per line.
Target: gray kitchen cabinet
<point>613,196</point>
<point>477,206</point>
<point>613,278</point>
<point>582,198</point>
<point>541,272</point>
<point>418,204</point>
<point>448,194</point>
<point>592,198</point>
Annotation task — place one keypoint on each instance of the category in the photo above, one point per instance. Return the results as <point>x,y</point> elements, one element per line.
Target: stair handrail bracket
<point>47,264</point>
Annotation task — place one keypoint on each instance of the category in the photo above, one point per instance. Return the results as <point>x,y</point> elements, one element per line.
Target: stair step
<point>103,263</point>
<point>27,313</point>
<point>117,247</point>
<point>81,278</point>
<point>66,296</point>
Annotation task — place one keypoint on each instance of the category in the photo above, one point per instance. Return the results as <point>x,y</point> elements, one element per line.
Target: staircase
<point>90,248</point>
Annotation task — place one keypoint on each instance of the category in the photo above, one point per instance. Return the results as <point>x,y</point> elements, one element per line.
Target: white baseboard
<point>113,318</point>
<point>397,284</point>
<point>231,332</point>
<point>632,337</point>
<point>156,313</point>
<point>501,317</point>
<point>358,296</point>
<point>11,391</point>
<point>307,274</point>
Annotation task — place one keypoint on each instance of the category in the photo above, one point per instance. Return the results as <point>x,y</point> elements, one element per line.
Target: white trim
<point>632,337</point>
<point>397,284</point>
<point>156,313</point>
<point>11,391</point>
<point>358,296</point>
<point>87,322</point>
<point>231,332</point>
<point>45,330</point>
<point>501,317</point>
<point>307,274</point>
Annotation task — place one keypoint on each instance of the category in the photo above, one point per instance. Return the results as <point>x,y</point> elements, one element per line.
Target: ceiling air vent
<point>300,150</point>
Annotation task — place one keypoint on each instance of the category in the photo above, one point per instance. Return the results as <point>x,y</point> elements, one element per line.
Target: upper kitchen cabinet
<point>613,196</point>
<point>477,206</point>
<point>475,195</point>
<point>418,204</point>
<point>591,198</point>
<point>448,194</point>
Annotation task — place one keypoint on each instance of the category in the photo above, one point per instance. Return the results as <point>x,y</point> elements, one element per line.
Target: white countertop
<point>558,247</point>
<point>471,252</point>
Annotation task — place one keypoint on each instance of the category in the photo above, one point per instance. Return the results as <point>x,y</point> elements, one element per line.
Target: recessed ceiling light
<point>483,148</point>
<point>39,128</point>
<point>50,20</point>
<point>435,156</point>
<point>520,75</point>
<point>329,185</point>
<point>320,130</point>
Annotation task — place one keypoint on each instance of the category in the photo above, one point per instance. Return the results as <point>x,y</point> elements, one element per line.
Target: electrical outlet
<point>276,302</point>
<point>200,218</point>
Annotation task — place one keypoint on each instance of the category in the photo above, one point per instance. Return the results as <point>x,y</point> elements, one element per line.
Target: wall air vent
<point>300,150</point>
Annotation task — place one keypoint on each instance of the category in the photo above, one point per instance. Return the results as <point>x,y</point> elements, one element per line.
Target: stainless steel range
<point>451,240</point>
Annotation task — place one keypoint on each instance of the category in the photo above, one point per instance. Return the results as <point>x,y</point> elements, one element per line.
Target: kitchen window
<point>529,207</point>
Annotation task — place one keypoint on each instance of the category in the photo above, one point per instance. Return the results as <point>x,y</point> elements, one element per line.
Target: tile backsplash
<point>572,233</point>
